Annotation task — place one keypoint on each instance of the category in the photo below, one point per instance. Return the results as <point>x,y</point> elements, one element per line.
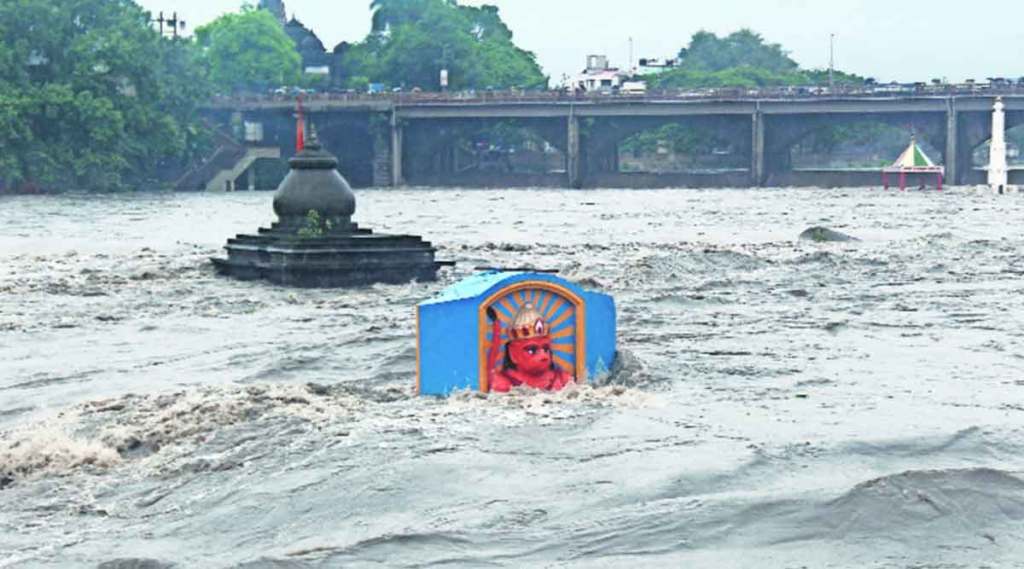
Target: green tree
<point>708,52</point>
<point>412,40</point>
<point>91,97</point>
<point>821,77</point>
<point>741,59</point>
<point>249,50</point>
<point>393,13</point>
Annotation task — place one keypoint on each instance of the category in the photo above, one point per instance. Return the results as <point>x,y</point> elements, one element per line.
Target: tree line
<point>91,97</point>
<point>741,59</point>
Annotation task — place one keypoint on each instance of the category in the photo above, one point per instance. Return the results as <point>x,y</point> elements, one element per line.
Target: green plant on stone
<point>316,226</point>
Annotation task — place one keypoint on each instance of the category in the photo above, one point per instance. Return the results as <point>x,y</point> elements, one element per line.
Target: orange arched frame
<point>581,328</point>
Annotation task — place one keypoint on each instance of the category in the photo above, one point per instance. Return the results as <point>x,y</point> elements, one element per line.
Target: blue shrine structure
<point>455,330</point>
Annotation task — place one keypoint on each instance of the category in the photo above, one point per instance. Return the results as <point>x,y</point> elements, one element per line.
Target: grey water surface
<point>781,403</point>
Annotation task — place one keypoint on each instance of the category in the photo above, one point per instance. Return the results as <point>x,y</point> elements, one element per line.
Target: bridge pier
<point>572,151</point>
<point>952,142</point>
<point>382,157</point>
<point>757,163</point>
<point>396,151</point>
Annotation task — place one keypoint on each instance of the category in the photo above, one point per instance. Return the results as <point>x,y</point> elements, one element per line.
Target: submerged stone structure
<point>314,243</point>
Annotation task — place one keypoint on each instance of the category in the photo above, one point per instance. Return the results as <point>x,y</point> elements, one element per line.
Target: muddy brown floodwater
<point>783,403</point>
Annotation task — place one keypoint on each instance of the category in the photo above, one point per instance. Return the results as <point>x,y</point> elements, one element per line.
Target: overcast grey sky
<point>889,40</point>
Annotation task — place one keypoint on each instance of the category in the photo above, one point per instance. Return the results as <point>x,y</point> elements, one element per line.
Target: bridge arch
<point>977,137</point>
<point>848,149</point>
<point>485,152</point>
<point>672,150</point>
<point>680,146</point>
<point>351,138</point>
<point>1014,147</point>
<point>867,145</point>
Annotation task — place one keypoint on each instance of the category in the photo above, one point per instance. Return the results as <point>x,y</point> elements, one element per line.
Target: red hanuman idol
<point>528,359</point>
<point>496,330</point>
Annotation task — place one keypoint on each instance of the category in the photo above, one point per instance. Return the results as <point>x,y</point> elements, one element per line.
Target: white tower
<point>997,177</point>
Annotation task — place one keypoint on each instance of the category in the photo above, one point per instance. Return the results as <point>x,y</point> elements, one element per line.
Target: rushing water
<point>782,403</point>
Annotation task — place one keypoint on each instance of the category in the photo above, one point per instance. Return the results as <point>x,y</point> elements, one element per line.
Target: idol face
<point>531,356</point>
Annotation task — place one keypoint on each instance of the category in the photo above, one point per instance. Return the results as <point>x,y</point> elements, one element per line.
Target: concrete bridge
<point>413,138</point>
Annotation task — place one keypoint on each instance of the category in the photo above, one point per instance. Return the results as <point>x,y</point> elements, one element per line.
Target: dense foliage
<point>741,59</point>
<point>248,51</point>
<point>745,48</point>
<point>91,97</point>
<point>412,40</point>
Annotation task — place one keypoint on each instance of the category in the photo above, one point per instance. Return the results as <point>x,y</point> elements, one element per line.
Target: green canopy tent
<point>913,161</point>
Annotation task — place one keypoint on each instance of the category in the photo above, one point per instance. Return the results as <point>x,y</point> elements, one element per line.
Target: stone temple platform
<point>314,242</point>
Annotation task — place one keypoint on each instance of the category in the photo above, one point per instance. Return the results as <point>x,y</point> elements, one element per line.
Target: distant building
<point>599,76</point>
<point>275,7</point>
<point>316,60</point>
<point>634,87</point>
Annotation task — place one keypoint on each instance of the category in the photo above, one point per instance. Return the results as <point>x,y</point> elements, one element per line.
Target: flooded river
<point>781,403</point>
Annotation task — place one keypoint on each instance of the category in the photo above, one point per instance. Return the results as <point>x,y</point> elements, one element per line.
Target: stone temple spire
<point>315,244</point>
<point>275,7</point>
<point>997,175</point>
